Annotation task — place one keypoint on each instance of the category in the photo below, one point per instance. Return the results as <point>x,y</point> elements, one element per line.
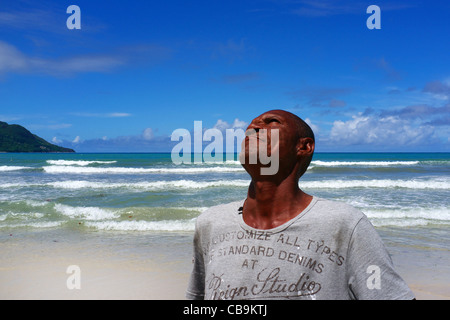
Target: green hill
<point>15,138</point>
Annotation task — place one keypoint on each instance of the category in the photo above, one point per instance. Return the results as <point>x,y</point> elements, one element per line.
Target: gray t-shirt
<point>328,251</point>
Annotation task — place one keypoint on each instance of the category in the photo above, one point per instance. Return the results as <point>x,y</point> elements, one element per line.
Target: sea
<point>406,196</point>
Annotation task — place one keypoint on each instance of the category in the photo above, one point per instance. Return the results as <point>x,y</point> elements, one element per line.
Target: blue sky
<point>138,70</point>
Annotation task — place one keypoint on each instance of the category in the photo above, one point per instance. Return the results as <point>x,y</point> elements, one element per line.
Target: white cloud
<point>101,115</point>
<point>148,134</point>
<point>118,115</point>
<point>382,131</point>
<point>237,124</point>
<point>221,125</point>
<point>147,141</point>
<point>56,140</point>
<point>12,60</point>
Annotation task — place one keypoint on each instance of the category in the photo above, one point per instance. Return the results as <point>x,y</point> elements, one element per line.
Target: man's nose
<point>253,127</point>
<point>256,125</point>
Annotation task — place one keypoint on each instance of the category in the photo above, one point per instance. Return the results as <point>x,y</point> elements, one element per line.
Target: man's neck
<point>270,204</point>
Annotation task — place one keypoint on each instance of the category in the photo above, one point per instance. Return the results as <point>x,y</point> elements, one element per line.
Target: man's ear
<point>305,147</point>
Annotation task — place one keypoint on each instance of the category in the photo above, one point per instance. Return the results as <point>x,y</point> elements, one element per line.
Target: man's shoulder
<point>338,210</point>
<point>336,204</point>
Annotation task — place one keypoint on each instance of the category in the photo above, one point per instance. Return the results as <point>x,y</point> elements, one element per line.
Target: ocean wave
<point>363,163</point>
<point>405,217</point>
<point>21,215</point>
<point>382,183</point>
<point>13,185</point>
<point>124,170</point>
<point>166,225</point>
<point>87,213</point>
<point>43,224</point>
<point>181,218</point>
<point>439,184</point>
<point>225,162</point>
<point>77,162</point>
<point>25,212</point>
<point>403,223</point>
<point>14,168</point>
<point>442,213</point>
<point>155,185</point>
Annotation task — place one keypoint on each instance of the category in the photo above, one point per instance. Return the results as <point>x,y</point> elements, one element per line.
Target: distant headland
<point>15,138</point>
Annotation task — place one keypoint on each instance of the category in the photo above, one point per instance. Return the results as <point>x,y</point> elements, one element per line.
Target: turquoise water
<point>147,192</point>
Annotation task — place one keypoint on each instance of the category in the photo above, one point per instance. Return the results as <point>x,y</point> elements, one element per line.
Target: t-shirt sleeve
<point>196,286</point>
<point>371,273</point>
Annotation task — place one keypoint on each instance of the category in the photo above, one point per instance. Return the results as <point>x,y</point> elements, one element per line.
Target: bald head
<point>303,129</point>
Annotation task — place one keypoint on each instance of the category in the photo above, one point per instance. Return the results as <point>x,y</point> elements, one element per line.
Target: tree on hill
<point>15,138</point>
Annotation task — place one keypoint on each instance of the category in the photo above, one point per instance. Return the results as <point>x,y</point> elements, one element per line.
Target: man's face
<point>272,134</point>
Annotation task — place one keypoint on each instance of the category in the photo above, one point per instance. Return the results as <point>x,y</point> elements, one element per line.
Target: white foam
<point>363,163</point>
<point>381,183</point>
<point>400,223</point>
<point>33,203</point>
<point>198,209</point>
<point>77,162</point>
<point>166,225</point>
<point>13,185</point>
<point>440,184</point>
<point>48,224</point>
<point>442,213</point>
<point>404,217</point>
<point>75,184</point>
<point>13,168</point>
<point>23,215</point>
<point>33,215</point>
<point>88,213</point>
<point>155,185</point>
<point>232,163</point>
<point>124,170</point>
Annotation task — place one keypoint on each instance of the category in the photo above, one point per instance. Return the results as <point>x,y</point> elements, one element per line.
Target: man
<point>283,243</point>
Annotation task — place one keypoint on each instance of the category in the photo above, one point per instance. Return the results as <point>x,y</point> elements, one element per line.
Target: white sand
<point>38,270</point>
<point>35,268</point>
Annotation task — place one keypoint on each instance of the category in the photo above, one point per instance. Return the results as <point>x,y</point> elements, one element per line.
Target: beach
<point>120,226</point>
<point>33,267</point>
<point>139,268</point>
